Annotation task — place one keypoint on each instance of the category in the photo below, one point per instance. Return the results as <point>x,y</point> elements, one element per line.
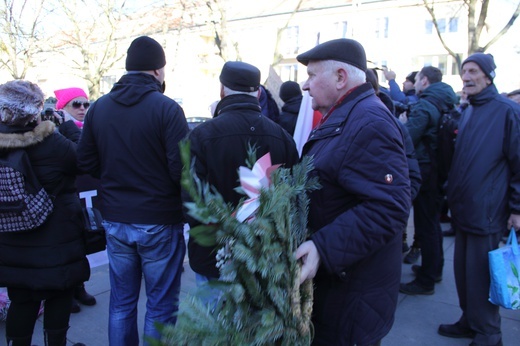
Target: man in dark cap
<point>291,94</point>
<point>130,140</point>
<point>220,146</point>
<point>357,217</point>
<point>407,95</point>
<point>483,195</point>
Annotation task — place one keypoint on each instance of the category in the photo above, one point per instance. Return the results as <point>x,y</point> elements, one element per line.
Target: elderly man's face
<point>474,80</point>
<point>321,85</point>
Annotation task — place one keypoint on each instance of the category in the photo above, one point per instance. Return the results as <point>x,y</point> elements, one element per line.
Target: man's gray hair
<point>356,76</point>
<point>228,91</point>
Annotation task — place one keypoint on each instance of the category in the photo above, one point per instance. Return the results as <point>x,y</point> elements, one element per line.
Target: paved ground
<point>417,317</point>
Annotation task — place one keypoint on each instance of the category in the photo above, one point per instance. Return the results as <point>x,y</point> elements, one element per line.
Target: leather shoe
<point>75,308</point>
<point>412,256</point>
<point>455,331</point>
<point>81,295</point>
<point>414,288</point>
<point>417,268</point>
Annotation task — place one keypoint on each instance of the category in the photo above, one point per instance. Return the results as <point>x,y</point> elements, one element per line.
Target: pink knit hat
<point>65,95</point>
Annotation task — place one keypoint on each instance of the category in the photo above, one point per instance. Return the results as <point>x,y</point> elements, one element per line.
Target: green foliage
<point>263,303</point>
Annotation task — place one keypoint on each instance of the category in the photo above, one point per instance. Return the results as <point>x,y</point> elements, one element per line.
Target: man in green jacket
<point>435,97</point>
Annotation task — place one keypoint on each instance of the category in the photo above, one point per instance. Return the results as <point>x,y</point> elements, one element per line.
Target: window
<point>428,27</point>
<point>289,72</point>
<point>107,82</point>
<point>441,25</point>
<point>341,29</point>
<point>453,25</point>
<point>382,27</point>
<point>291,40</point>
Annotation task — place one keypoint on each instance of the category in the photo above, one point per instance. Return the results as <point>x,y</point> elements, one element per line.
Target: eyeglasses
<point>77,104</point>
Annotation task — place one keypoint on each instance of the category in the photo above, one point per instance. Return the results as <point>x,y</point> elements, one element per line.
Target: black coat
<point>53,255</point>
<point>289,114</point>
<point>219,147</point>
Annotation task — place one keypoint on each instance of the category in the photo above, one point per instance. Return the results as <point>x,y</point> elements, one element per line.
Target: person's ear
<point>341,78</point>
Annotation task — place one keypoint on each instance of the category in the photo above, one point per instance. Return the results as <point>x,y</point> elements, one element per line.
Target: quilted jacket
<point>357,218</point>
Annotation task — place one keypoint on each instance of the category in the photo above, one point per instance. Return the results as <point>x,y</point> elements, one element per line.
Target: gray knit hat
<point>20,102</point>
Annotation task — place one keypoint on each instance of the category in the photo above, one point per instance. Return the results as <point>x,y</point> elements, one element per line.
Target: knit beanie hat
<point>20,102</point>
<point>485,62</point>
<point>65,95</point>
<point>145,54</point>
<point>288,90</point>
<point>343,49</point>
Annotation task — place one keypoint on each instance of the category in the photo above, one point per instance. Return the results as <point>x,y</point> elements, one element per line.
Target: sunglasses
<point>77,104</point>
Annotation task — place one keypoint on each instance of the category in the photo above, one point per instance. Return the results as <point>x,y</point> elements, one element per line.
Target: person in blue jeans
<point>130,140</point>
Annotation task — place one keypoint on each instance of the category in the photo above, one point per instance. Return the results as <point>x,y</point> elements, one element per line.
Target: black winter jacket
<point>289,114</point>
<point>53,255</point>
<point>219,147</point>
<point>357,218</point>
<point>484,179</point>
<point>130,141</point>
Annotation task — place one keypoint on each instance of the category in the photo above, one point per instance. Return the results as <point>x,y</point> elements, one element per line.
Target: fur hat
<point>240,76</point>
<point>20,102</point>
<point>145,54</point>
<point>343,49</point>
<point>65,95</point>
<point>485,62</point>
<point>288,90</point>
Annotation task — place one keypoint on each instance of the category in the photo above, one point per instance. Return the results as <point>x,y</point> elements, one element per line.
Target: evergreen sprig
<point>262,301</point>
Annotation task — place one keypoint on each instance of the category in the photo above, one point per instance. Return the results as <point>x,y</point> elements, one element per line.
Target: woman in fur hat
<point>44,264</point>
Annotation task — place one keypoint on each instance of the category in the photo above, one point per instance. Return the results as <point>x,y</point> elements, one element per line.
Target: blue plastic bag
<point>504,267</point>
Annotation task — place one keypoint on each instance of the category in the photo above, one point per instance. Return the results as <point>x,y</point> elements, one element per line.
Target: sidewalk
<point>416,320</point>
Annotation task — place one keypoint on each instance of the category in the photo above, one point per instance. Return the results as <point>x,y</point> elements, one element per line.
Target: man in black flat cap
<point>219,147</point>
<point>131,140</point>
<point>357,217</point>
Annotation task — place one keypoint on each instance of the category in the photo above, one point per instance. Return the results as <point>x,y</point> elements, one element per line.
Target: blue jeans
<point>208,296</point>
<point>155,252</point>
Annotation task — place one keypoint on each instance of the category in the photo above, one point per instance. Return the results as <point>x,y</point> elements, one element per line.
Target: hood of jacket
<point>12,138</point>
<point>133,87</point>
<point>440,94</point>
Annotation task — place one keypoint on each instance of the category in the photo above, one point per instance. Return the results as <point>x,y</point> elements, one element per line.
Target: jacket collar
<point>237,101</point>
<point>484,96</point>
<point>15,140</point>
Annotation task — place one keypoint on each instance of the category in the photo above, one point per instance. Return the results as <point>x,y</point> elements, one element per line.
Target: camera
<point>401,107</point>
<point>48,114</point>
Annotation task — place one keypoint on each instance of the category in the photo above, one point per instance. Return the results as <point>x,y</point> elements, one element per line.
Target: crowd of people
<point>375,154</point>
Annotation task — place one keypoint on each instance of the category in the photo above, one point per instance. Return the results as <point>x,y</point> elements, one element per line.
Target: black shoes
<point>406,248</point>
<point>455,331</point>
<point>75,307</point>
<point>475,344</point>
<point>81,295</point>
<point>412,256</point>
<point>417,268</point>
<point>414,288</point>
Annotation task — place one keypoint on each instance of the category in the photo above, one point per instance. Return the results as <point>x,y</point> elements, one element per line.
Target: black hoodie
<point>130,141</point>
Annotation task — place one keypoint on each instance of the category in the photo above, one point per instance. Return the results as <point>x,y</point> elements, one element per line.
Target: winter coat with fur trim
<point>357,218</point>
<point>53,255</point>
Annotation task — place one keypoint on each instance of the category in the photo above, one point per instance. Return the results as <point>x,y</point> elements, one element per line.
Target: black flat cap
<point>240,76</point>
<point>343,49</point>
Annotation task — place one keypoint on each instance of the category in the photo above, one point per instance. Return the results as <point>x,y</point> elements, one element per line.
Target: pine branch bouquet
<point>262,301</point>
